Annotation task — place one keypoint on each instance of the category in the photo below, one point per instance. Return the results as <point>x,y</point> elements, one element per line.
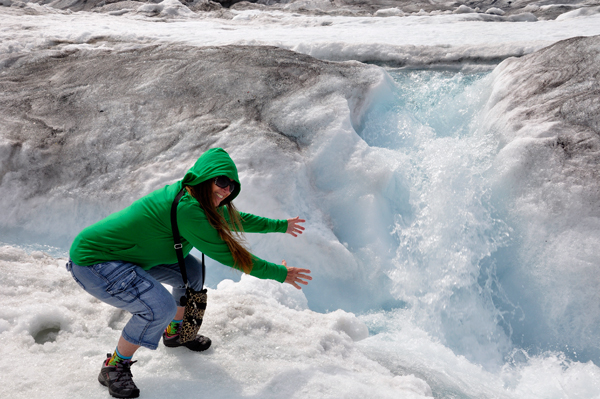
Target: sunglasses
<point>224,182</point>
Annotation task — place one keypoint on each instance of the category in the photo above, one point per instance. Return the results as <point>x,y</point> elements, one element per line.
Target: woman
<point>123,258</point>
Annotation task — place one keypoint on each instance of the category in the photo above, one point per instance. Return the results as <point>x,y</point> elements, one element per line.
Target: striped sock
<point>173,328</point>
<point>117,357</point>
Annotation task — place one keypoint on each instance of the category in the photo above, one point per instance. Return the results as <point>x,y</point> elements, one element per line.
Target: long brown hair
<point>229,228</point>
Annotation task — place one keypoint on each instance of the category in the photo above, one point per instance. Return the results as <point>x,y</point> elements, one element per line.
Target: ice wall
<point>85,132</point>
<point>545,110</point>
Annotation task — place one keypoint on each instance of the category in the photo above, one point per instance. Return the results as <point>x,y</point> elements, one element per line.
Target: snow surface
<point>266,343</point>
<point>413,40</point>
<point>451,219</point>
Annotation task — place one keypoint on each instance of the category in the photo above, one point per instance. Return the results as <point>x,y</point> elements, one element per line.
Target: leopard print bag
<point>194,301</point>
<point>195,305</point>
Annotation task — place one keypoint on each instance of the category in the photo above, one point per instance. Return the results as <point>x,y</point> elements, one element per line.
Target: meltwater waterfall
<point>443,267</point>
<point>460,260</point>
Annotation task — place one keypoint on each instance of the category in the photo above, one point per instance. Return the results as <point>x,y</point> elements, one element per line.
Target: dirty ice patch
<point>166,9</point>
<point>580,12</point>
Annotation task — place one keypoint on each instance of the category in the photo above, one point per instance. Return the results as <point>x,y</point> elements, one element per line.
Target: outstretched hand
<point>296,276</point>
<point>294,228</point>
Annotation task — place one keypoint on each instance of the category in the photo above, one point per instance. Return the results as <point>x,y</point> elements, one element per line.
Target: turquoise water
<point>442,103</point>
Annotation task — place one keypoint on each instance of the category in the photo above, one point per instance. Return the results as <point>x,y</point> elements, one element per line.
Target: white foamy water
<point>414,244</point>
<point>448,228</point>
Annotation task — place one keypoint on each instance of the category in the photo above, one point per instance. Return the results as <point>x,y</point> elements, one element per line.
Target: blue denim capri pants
<point>127,286</point>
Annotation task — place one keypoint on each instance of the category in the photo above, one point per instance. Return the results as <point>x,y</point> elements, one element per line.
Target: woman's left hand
<point>294,228</point>
<point>296,276</point>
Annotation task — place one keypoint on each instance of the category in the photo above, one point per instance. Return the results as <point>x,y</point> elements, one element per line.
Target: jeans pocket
<point>128,286</point>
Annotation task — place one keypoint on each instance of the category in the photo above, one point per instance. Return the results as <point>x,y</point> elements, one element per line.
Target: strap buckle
<point>178,246</point>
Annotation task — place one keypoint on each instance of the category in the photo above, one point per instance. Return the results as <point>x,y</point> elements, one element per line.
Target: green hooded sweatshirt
<point>141,233</point>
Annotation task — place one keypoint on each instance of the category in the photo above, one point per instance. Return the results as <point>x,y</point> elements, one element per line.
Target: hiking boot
<point>198,344</point>
<point>118,379</point>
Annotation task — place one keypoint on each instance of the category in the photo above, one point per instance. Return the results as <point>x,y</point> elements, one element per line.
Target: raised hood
<point>214,162</point>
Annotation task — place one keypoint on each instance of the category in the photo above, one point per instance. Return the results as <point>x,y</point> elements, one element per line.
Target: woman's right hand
<point>295,226</point>
<point>296,276</point>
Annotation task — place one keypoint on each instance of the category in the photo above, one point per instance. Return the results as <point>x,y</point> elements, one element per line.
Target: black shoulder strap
<point>177,240</point>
